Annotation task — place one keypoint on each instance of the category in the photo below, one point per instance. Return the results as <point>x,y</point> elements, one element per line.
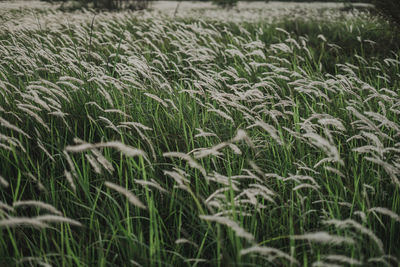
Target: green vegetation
<point>103,4</point>
<point>226,3</point>
<point>390,9</point>
<point>183,142</point>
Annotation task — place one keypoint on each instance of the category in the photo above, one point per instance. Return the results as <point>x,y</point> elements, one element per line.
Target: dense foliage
<point>142,139</point>
<point>225,3</point>
<point>108,4</point>
<point>390,9</point>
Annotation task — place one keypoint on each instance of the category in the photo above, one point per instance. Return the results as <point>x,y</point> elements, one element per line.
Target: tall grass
<point>151,141</point>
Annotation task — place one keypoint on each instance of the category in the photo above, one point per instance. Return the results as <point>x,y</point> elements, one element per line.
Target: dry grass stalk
<point>231,224</point>
<point>131,197</point>
<point>38,204</point>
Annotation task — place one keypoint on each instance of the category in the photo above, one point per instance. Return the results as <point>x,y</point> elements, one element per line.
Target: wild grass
<point>146,140</point>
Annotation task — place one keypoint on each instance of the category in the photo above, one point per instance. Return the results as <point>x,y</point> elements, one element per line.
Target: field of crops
<point>250,137</point>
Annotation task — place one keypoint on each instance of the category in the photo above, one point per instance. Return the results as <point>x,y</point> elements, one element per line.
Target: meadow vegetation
<point>140,139</point>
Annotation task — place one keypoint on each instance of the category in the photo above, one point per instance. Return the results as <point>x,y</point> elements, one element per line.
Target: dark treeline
<point>390,9</point>
<point>300,1</point>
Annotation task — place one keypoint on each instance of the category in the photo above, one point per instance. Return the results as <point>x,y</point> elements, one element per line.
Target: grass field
<point>213,138</point>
